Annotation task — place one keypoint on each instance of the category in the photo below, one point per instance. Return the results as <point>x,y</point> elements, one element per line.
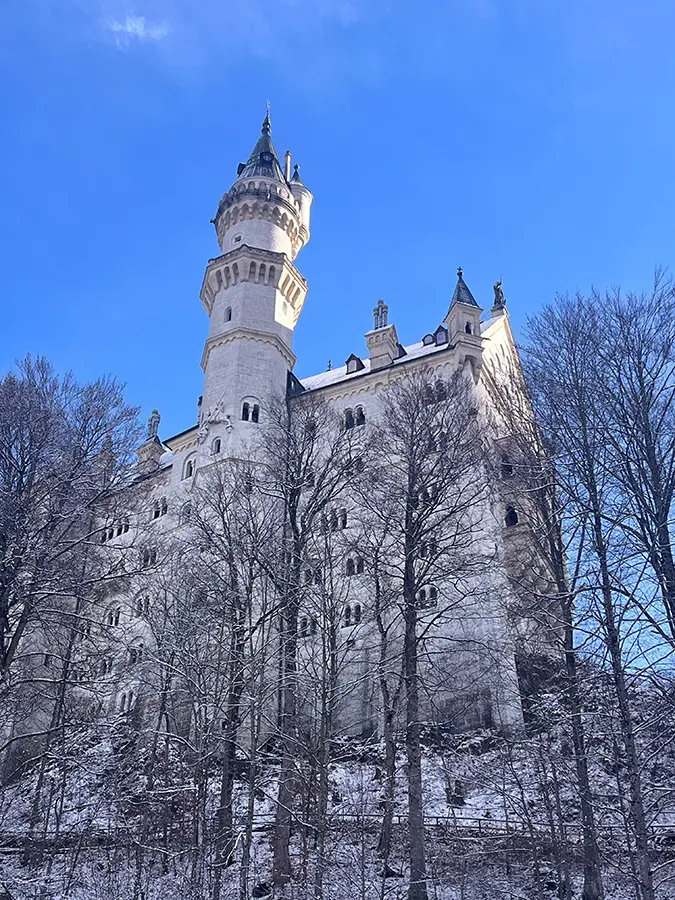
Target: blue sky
<point>528,139</point>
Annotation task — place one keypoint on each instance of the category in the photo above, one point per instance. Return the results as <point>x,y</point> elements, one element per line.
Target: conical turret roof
<point>462,294</point>
<point>263,159</point>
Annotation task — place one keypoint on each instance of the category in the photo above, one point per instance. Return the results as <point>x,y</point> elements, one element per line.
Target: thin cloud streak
<point>136,29</point>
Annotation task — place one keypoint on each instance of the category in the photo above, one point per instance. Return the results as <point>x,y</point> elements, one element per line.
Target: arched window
<point>359,566</point>
<point>215,446</point>
<point>106,665</point>
<point>350,568</point>
<point>189,469</point>
<point>357,613</point>
<point>302,630</point>
<point>467,328</point>
<point>255,413</point>
<point>349,419</point>
<point>251,272</point>
<point>422,597</point>
<point>228,314</point>
<point>511,517</point>
<point>261,273</point>
<point>433,596</point>
<point>245,412</point>
<point>156,510</point>
<point>441,390</point>
<point>348,616</point>
<point>429,396</point>
<point>113,617</point>
<point>360,416</point>
<point>507,467</point>
<point>149,556</point>
<point>343,519</point>
<point>125,525</point>
<point>333,521</point>
<point>272,274</point>
<point>164,507</point>
<point>135,654</point>
<point>185,513</point>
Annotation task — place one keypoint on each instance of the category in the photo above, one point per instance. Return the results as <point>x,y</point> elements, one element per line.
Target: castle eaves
<point>340,374</point>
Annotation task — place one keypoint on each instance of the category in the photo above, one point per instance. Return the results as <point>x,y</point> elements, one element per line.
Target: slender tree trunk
<point>417,889</point>
<point>613,644</point>
<point>593,887</point>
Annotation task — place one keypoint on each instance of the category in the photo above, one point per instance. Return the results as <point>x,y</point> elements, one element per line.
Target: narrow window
<point>343,519</point>
<point>467,328</point>
<point>350,567</point>
<point>511,517</point>
<point>357,613</point>
<point>428,394</point>
<point>302,631</point>
<point>441,390</point>
<point>164,506</point>
<point>360,416</point>
<point>348,616</point>
<point>189,469</point>
<point>119,530</point>
<point>228,314</point>
<point>333,521</point>
<point>125,525</point>
<point>359,566</point>
<point>433,596</point>
<point>245,412</point>
<point>155,510</point>
<point>185,513</point>
<point>349,419</point>
<point>215,447</point>
<point>422,597</point>
<point>255,413</point>
<point>47,661</point>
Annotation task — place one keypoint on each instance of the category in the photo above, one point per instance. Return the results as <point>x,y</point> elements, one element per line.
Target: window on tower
<point>228,314</point>
<point>245,412</point>
<point>255,413</point>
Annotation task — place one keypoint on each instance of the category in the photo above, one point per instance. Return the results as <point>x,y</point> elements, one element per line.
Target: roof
<point>462,294</point>
<point>413,351</point>
<point>263,159</point>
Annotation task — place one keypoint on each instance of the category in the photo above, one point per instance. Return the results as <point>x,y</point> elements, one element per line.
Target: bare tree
<point>308,462</point>
<point>562,360</point>
<point>423,493</point>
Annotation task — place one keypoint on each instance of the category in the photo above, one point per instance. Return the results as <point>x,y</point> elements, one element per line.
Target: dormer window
<point>354,364</point>
<point>427,340</point>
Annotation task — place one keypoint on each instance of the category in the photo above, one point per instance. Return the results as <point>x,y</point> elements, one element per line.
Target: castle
<point>253,295</point>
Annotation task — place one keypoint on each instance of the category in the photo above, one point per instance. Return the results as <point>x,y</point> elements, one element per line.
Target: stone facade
<point>253,295</point>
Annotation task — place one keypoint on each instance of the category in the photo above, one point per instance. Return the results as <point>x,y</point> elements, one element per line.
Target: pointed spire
<point>462,294</point>
<point>263,159</point>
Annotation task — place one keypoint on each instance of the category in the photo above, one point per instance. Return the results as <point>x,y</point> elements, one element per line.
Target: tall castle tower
<point>253,294</point>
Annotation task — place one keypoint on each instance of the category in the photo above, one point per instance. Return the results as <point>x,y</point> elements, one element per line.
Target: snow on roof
<point>414,351</point>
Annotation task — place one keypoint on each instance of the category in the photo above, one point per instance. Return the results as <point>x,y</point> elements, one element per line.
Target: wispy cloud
<point>133,29</point>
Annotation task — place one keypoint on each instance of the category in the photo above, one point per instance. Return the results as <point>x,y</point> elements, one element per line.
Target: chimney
<point>287,165</point>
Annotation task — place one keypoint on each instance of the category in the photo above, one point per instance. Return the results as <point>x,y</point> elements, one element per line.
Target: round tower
<point>263,209</point>
<point>253,295</point>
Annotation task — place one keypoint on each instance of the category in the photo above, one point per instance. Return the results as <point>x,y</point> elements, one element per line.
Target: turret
<point>263,209</point>
<point>463,321</point>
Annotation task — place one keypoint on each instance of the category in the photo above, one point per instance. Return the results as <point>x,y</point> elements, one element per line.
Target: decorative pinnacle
<point>460,272</point>
<point>267,123</point>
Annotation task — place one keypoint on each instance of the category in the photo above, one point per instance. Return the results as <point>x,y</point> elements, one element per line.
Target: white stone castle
<point>253,294</point>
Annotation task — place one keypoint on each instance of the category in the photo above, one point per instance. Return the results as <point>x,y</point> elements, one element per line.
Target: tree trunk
<point>417,889</point>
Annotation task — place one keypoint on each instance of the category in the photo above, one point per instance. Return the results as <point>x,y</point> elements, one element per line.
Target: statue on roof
<point>500,302</point>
